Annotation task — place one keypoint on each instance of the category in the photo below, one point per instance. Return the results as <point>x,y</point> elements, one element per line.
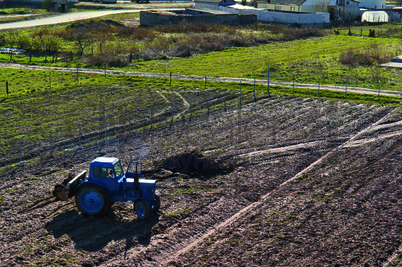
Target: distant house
<point>212,4</point>
<point>57,5</point>
<point>263,14</point>
<point>372,4</point>
<point>338,9</point>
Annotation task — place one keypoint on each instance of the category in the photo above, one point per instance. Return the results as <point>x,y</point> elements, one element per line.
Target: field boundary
<point>334,88</point>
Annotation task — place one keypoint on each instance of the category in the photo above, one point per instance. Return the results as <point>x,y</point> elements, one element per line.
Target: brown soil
<point>297,182</point>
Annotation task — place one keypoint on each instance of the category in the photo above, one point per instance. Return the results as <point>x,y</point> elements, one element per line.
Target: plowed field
<point>282,182</point>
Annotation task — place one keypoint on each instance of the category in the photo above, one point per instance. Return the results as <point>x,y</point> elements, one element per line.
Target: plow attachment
<point>67,189</point>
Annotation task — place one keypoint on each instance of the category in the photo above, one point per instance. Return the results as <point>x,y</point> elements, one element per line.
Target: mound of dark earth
<point>193,164</point>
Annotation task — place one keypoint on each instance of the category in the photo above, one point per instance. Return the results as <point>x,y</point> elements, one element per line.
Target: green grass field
<point>74,96</point>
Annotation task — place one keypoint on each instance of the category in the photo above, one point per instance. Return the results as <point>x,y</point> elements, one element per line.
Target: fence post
<point>225,97</point>
<point>79,132</point>
<point>50,79</point>
<point>51,143</point>
<point>293,88</point>
<point>240,95</point>
<point>254,89</point>
<point>346,88</point>
<point>268,84</point>
<point>7,88</point>
<point>319,82</point>
<point>77,74</point>
<point>205,82</point>
<point>152,119</point>
<point>129,121</point>
<point>20,152</point>
<point>191,106</point>
<point>170,81</point>
<point>379,89</point>
<point>105,70</point>
<point>171,123</point>
<point>208,103</point>
<point>105,128</point>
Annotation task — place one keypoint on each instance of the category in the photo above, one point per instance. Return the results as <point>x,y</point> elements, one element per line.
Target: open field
<point>307,55</point>
<point>314,182</point>
<point>289,178</point>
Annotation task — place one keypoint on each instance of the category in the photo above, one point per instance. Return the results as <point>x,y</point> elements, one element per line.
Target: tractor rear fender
<point>93,182</point>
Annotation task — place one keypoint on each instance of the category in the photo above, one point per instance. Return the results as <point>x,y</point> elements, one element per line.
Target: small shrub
<point>110,60</point>
<point>372,56</point>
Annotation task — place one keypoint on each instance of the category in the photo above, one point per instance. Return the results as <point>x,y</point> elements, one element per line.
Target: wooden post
<point>379,89</point>
<point>105,128</point>
<point>191,106</point>
<point>208,103</point>
<point>152,119</point>
<point>7,88</point>
<point>319,81</point>
<point>268,84</point>
<point>51,143</point>
<point>171,123</point>
<point>129,121</point>
<point>240,94</point>
<point>20,152</point>
<point>254,89</point>
<point>293,88</point>
<point>225,97</point>
<point>346,88</point>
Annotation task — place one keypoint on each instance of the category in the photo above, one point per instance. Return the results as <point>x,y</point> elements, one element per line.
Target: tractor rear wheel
<point>142,210</point>
<point>92,199</point>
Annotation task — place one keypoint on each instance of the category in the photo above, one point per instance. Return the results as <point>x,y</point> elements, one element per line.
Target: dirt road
<point>69,17</point>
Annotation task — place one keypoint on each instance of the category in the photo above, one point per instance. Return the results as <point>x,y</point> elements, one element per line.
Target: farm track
<point>283,149</point>
<point>359,90</point>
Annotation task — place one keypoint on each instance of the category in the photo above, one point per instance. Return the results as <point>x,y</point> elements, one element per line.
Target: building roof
<point>208,1</point>
<point>283,2</point>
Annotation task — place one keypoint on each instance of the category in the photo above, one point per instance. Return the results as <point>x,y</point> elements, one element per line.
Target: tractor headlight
<point>151,192</point>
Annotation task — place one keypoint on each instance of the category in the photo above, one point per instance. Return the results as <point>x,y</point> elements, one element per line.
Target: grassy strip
<point>310,60</point>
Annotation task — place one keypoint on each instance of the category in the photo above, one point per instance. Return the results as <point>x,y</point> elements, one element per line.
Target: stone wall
<point>152,18</point>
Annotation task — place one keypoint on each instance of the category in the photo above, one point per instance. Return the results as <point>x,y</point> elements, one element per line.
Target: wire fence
<point>180,107</point>
<point>112,125</point>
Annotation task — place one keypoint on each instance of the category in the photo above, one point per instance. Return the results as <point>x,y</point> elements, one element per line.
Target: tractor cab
<point>106,172</point>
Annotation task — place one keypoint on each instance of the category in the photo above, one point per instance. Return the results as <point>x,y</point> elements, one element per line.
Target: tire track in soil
<point>240,214</point>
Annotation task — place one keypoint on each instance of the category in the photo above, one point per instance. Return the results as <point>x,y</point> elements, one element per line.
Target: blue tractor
<point>106,184</point>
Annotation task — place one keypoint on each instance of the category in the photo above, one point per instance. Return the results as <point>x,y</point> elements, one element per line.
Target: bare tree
<point>322,6</point>
<point>83,38</point>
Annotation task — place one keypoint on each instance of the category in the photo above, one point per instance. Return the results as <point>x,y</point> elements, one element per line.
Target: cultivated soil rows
<point>283,181</point>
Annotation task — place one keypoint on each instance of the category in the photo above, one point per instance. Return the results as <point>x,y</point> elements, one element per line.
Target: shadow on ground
<point>93,233</point>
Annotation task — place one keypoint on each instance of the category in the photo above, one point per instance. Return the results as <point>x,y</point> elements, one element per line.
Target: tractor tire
<point>92,200</point>
<point>156,203</point>
<point>142,210</point>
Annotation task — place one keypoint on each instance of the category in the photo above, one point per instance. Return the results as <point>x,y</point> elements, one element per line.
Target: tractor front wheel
<point>92,200</point>
<point>142,210</point>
